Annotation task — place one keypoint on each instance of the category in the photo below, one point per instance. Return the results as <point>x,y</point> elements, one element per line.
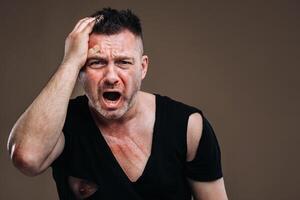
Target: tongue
<point>111,96</point>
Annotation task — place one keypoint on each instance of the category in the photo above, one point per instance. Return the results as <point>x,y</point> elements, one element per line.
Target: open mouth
<point>111,96</point>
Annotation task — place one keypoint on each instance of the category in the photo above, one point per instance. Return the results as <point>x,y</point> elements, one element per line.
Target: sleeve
<point>60,161</point>
<point>206,166</point>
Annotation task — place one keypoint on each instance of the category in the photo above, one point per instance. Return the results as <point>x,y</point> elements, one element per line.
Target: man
<point>116,142</point>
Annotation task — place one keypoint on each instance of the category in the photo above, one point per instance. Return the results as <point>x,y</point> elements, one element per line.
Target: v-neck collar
<point>109,154</point>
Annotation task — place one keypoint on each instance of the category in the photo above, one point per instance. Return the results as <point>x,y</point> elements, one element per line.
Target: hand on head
<point>76,44</point>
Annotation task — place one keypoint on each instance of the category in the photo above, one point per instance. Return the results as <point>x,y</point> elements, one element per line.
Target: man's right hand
<point>76,44</point>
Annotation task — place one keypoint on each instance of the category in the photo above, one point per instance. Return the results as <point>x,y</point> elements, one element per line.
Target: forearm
<point>36,132</point>
<point>36,139</point>
<point>212,190</point>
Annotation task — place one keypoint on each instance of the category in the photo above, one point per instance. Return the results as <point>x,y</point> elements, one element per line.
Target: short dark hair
<point>111,21</point>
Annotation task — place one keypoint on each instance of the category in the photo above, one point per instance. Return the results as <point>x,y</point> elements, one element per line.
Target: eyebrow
<point>105,58</point>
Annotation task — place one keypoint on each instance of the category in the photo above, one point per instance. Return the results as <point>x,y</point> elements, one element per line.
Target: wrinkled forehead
<point>123,42</point>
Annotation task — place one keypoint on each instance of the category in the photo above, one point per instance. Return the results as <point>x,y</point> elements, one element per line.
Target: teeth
<point>111,96</point>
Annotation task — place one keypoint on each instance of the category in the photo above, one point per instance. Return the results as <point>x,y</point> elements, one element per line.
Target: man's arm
<point>36,139</point>
<point>211,190</point>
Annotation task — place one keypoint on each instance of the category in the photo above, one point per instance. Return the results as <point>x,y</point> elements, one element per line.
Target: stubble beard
<point>120,112</point>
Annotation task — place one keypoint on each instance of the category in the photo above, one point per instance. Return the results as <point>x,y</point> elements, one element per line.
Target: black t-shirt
<point>87,156</point>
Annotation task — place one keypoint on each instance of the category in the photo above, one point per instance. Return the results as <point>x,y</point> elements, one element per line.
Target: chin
<point>112,105</point>
<point>111,114</point>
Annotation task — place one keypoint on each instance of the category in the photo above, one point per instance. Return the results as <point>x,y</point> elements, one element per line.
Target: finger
<point>89,28</point>
<point>78,23</point>
<point>82,23</point>
<point>86,23</point>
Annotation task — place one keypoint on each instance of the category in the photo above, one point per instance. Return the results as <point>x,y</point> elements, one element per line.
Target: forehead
<point>123,41</point>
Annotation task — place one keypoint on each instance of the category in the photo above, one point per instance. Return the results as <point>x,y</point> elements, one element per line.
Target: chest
<point>132,151</point>
<point>155,157</point>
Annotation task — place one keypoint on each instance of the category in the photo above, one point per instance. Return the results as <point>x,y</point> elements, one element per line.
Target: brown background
<point>238,62</point>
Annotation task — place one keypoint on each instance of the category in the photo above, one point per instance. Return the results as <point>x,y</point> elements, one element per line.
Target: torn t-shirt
<point>87,156</point>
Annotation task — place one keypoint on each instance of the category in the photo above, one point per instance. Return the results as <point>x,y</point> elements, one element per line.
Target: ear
<point>145,62</point>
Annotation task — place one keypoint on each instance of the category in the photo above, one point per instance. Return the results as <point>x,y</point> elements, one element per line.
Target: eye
<point>96,63</point>
<point>124,63</point>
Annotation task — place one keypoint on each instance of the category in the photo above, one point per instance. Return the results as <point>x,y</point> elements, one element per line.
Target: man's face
<point>113,73</point>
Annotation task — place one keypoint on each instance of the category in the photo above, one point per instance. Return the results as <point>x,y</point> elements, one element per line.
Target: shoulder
<point>171,104</point>
<point>77,113</point>
<point>77,105</point>
<point>194,133</point>
<point>78,101</point>
<point>194,123</point>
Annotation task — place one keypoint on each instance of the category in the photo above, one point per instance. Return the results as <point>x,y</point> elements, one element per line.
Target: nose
<point>111,76</point>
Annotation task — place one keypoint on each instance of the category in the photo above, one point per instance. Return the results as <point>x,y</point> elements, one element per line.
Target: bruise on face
<point>94,51</point>
<point>121,44</point>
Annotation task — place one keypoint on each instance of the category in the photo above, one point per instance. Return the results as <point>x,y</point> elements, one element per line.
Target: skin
<point>36,139</point>
<point>212,190</point>
<point>115,63</point>
<point>101,63</point>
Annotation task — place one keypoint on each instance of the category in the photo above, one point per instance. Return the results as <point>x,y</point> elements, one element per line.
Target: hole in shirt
<point>82,188</point>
